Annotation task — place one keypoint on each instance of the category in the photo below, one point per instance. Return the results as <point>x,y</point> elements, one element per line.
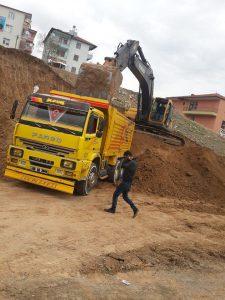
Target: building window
<point>73,70</point>
<point>193,105</point>
<point>11,15</point>
<point>63,40</point>
<point>92,124</point>
<point>9,28</point>
<point>76,57</point>
<point>61,52</point>
<point>6,42</point>
<point>223,125</point>
<point>78,45</point>
<point>193,118</point>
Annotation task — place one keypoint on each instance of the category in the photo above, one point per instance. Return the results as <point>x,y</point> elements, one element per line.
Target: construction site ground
<point>57,246</point>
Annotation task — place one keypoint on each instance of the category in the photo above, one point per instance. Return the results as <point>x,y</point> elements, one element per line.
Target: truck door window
<point>92,124</point>
<point>101,124</point>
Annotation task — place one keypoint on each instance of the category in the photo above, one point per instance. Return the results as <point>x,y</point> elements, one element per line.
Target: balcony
<point>28,38</point>
<point>64,46</point>
<point>201,111</point>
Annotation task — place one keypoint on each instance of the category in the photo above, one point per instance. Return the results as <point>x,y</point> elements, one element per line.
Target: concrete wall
<point>17,28</point>
<point>82,53</point>
<point>220,116</point>
<point>206,121</point>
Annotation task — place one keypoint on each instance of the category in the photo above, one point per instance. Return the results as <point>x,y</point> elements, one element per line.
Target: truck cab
<point>60,142</point>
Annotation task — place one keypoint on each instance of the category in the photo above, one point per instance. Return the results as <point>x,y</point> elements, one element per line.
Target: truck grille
<point>40,162</point>
<point>60,151</point>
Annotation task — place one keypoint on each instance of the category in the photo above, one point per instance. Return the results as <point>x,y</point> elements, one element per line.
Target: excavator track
<point>168,136</point>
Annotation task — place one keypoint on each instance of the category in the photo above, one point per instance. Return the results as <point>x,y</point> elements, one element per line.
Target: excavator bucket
<point>103,81</point>
<point>98,81</point>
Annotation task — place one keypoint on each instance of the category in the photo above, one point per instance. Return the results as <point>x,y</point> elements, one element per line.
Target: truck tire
<point>114,172</point>
<point>85,186</point>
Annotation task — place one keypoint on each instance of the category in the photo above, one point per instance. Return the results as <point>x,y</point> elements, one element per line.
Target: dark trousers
<point>123,188</point>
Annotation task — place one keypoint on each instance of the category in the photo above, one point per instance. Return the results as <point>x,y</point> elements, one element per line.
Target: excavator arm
<point>131,55</point>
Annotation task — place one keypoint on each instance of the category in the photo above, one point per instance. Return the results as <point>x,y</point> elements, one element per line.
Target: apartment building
<point>15,29</point>
<point>207,110</point>
<point>66,49</point>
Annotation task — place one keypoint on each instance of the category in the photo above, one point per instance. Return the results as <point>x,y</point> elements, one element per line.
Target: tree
<point>46,48</point>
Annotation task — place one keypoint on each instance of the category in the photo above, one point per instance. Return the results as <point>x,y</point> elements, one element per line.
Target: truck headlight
<point>16,152</point>
<point>68,164</point>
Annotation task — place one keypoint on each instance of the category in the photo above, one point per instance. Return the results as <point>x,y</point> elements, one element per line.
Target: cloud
<point>182,39</point>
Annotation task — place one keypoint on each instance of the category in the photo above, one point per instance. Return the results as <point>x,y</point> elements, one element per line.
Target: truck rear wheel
<point>115,172</point>
<point>85,186</point>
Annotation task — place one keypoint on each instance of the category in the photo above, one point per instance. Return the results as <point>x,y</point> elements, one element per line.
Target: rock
<point>188,174</point>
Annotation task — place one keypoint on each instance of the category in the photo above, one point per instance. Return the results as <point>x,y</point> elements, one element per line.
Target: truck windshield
<point>58,116</point>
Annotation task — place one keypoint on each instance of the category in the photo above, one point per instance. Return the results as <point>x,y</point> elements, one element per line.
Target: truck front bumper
<point>51,182</point>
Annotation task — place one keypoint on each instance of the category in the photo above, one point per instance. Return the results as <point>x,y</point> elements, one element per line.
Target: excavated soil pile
<point>98,81</point>
<point>66,75</point>
<point>185,172</point>
<point>171,255</point>
<point>19,73</point>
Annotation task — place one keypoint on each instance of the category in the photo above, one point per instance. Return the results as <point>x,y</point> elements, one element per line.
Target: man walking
<point>129,167</point>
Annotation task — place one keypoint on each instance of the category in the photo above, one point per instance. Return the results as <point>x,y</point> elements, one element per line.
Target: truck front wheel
<point>85,186</point>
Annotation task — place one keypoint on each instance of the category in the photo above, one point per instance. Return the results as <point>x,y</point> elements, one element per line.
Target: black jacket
<point>129,168</point>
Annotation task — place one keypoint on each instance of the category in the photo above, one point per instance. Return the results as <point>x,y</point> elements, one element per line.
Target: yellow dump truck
<point>66,142</point>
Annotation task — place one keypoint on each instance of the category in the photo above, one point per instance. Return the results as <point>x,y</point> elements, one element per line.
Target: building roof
<point>213,96</point>
<point>77,38</point>
<point>32,30</point>
<point>16,10</point>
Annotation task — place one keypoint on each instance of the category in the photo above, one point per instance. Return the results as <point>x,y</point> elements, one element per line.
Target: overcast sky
<point>184,40</point>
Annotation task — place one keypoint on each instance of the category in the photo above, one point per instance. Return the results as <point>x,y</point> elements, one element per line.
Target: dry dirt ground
<point>57,246</point>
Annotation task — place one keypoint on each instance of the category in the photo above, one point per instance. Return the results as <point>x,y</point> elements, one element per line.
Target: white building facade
<point>15,29</point>
<point>67,49</point>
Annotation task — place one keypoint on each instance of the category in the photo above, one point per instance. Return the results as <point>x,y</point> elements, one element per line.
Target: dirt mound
<point>199,134</point>
<point>66,75</point>
<point>163,256</point>
<point>19,73</point>
<point>188,172</point>
<point>98,81</point>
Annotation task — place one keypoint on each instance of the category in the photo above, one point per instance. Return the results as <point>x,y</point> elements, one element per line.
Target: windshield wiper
<point>48,126</point>
<point>54,128</point>
<point>38,125</point>
<point>62,129</point>
<point>70,131</point>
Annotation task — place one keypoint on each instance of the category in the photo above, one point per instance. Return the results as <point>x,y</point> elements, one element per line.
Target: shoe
<point>110,210</point>
<point>136,210</point>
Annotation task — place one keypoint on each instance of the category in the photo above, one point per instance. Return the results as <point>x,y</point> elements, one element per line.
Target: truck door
<point>92,143</point>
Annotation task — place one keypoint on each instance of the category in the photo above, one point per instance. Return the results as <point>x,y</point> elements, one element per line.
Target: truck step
<point>103,174</point>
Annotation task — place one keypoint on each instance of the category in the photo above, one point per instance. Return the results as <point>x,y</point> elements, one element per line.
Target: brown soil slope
<point>186,172</point>
<point>19,73</point>
<point>189,172</point>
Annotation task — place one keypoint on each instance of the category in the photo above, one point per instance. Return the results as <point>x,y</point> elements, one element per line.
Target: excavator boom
<point>130,55</point>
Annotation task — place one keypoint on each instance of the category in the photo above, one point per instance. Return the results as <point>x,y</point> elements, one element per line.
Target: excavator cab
<point>161,112</point>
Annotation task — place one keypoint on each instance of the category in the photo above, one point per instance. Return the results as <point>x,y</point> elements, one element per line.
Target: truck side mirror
<point>13,110</point>
<point>101,125</point>
<point>99,134</point>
